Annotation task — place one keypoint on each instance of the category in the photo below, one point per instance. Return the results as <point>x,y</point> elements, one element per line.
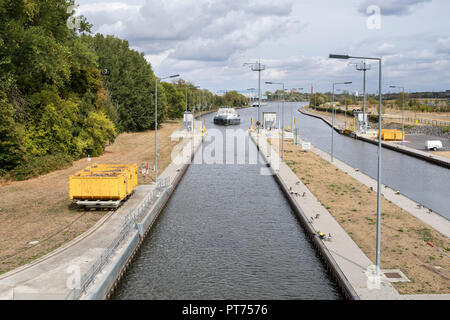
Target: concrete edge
<point>331,264</point>
<point>412,153</point>
<point>116,272</point>
<point>106,287</point>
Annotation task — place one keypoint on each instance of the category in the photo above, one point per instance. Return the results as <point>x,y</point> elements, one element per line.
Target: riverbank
<point>404,236</point>
<point>429,157</point>
<point>48,277</point>
<point>341,255</point>
<point>40,210</point>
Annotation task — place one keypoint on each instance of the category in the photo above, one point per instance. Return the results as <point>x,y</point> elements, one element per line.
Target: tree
<point>175,100</point>
<point>50,88</point>
<point>130,83</point>
<point>11,134</point>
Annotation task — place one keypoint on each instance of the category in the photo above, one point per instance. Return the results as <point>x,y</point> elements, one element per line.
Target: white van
<point>433,145</point>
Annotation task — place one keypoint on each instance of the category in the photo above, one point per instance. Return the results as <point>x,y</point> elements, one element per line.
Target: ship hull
<point>226,122</point>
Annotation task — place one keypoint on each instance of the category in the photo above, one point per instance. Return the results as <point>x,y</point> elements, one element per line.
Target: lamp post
<point>282,119</point>
<point>193,111</point>
<point>380,97</point>
<point>257,66</point>
<point>156,122</point>
<point>332,113</point>
<point>363,66</point>
<point>403,111</point>
<point>292,112</point>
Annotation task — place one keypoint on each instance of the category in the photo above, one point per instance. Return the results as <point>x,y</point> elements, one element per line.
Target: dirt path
<point>38,209</point>
<point>404,237</point>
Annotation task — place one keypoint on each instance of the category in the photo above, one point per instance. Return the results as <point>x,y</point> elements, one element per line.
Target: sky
<point>207,42</point>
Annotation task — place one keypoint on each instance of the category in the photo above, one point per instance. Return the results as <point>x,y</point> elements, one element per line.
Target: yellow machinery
<point>391,135</point>
<point>103,185</point>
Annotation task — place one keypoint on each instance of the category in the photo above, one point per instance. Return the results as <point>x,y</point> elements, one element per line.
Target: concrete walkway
<point>434,220</point>
<point>351,259</point>
<point>47,278</point>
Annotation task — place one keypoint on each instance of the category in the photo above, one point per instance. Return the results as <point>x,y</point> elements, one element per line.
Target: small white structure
<point>188,121</point>
<point>270,120</point>
<point>361,120</point>
<point>433,145</point>
<point>306,146</point>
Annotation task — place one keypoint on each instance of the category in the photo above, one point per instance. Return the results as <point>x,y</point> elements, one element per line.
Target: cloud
<point>443,45</point>
<point>203,30</point>
<point>207,41</point>
<point>393,7</point>
<point>385,49</point>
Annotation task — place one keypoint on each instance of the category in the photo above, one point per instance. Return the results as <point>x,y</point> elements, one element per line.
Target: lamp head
<point>339,56</point>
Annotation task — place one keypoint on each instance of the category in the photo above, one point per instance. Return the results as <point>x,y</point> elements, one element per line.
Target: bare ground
<point>39,209</point>
<point>404,237</point>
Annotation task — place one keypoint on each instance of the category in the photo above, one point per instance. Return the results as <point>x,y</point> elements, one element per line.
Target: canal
<point>227,233</point>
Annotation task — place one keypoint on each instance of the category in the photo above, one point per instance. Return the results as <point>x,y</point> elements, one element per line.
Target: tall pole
<point>257,67</point>
<point>332,122</point>
<point>186,99</point>
<point>156,130</point>
<point>364,98</point>
<point>378,241</point>
<point>282,118</point>
<point>332,126</point>
<point>403,115</point>
<point>379,174</point>
<point>363,66</point>
<point>282,131</point>
<point>259,90</point>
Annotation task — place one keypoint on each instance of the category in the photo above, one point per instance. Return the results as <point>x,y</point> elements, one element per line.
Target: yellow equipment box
<point>103,182</point>
<point>391,135</point>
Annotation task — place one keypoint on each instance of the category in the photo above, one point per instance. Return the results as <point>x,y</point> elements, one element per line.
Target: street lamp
<point>380,62</point>
<point>332,113</point>
<point>403,110</point>
<point>257,66</point>
<point>292,112</point>
<point>156,122</point>
<point>252,90</point>
<point>363,66</point>
<point>282,119</point>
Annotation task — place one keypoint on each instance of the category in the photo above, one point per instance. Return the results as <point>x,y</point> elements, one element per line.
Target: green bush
<point>36,166</point>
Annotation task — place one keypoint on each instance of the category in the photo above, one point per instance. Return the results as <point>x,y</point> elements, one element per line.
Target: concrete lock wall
<point>104,287</point>
<point>108,282</point>
<point>345,286</point>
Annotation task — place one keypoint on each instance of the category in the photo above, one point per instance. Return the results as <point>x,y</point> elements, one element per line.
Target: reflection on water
<point>227,233</point>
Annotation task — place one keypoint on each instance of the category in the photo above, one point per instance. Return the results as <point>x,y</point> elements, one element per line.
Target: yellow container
<point>391,135</point>
<point>130,169</point>
<point>103,182</point>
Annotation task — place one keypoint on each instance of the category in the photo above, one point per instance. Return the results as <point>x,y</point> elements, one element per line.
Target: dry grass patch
<point>40,210</point>
<point>354,206</point>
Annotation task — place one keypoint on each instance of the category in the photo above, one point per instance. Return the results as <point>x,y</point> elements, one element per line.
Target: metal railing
<point>130,224</point>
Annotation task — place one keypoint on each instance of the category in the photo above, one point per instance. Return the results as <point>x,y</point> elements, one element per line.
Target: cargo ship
<point>226,117</point>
